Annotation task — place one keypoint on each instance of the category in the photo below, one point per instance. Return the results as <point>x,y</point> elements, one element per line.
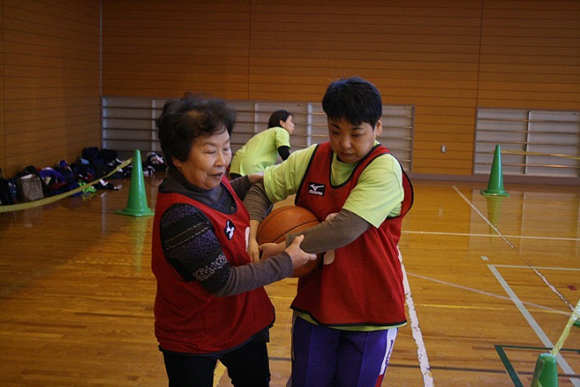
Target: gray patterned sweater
<point>192,247</point>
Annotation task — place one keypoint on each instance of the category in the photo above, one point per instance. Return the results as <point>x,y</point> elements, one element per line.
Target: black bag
<point>6,191</point>
<point>90,153</point>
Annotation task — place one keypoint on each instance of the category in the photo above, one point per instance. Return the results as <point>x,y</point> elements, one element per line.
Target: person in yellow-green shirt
<point>348,310</point>
<point>262,150</point>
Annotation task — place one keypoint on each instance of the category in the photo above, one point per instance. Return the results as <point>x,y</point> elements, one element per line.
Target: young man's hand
<point>252,235</point>
<point>255,177</point>
<point>254,250</point>
<point>268,250</point>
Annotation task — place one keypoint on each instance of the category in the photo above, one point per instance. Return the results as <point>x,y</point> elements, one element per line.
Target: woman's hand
<point>299,257</point>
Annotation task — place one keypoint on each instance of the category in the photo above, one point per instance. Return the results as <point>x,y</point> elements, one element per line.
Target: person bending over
<point>263,149</point>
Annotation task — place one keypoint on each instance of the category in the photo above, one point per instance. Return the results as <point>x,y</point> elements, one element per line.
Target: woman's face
<point>208,159</point>
<point>288,124</point>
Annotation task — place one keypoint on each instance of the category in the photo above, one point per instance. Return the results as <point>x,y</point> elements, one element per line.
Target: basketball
<point>288,220</point>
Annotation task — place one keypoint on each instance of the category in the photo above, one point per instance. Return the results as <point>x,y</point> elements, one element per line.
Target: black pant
<point>247,367</point>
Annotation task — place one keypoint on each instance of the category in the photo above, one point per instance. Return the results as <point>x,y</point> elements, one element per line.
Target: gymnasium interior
<point>481,106</point>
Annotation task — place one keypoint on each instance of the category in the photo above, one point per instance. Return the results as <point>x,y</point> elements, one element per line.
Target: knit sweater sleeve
<point>192,248</point>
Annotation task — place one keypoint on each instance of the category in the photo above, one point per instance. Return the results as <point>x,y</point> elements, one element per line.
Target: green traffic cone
<point>137,203</point>
<point>495,184</point>
<point>546,371</point>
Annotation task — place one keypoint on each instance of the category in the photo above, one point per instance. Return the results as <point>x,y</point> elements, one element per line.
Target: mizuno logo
<point>316,189</point>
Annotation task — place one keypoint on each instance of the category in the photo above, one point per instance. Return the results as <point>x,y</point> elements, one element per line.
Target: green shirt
<point>260,151</point>
<point>377,195</point>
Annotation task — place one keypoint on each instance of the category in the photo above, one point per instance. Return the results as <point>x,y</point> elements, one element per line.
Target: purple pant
<point>323,356</point>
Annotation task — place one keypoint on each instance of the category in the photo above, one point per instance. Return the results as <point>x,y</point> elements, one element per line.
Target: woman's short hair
<point>183,120</point>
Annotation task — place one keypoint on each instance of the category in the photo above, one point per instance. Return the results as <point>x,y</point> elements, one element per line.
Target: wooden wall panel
<point>420,53</point>
<point>530,55</point>
<point>51,82</point>
<point>446,58</point>
<point>2,130</point>
<point>162,49</point>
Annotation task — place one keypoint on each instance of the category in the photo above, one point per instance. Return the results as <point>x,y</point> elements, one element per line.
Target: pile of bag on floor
<point>36,183</point>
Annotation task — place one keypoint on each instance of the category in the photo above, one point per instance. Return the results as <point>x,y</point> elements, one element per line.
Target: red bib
<point>364,283</point>
<point>188,318</point>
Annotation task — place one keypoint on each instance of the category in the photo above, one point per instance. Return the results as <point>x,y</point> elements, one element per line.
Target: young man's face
<point>352,142</point>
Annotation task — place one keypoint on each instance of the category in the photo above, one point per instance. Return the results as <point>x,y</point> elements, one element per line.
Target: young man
<point>349,309</point>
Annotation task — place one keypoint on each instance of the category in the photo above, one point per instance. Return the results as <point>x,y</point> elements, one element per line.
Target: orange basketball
<point>288,220</point>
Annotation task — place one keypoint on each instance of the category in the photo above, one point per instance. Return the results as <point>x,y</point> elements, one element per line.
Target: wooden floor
<point>491,285</point>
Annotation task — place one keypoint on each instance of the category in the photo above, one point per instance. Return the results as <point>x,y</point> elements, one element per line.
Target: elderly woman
<point>210,301</point>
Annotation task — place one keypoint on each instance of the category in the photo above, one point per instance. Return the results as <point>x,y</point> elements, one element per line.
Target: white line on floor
<point>553,288</point>
<point>539,332</point>
<point>416,330</point>
<point>492,236</point>
<point>486,293</point>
